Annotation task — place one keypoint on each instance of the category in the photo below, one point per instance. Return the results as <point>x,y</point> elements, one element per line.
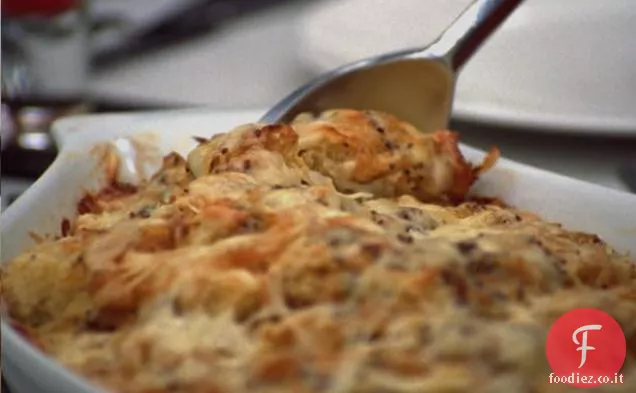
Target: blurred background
<point>554,88</point>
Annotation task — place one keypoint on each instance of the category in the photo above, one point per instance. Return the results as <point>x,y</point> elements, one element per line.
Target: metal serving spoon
<point>416,85</point>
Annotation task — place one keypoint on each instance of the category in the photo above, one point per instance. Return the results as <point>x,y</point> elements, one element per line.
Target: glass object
<point>44,49</point>
<point>45,58</point>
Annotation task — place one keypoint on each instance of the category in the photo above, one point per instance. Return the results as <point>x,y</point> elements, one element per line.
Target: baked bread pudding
<point>339,253</point>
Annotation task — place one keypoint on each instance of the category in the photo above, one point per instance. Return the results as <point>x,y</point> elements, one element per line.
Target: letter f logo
<point>583,344</point>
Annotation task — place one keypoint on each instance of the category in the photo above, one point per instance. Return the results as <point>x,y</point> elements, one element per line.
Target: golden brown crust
<point>368,151</point>
<point>217,276</point>
<point>375,152</point>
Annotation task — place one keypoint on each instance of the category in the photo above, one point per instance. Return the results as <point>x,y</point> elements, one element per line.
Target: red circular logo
<point>586,348</point>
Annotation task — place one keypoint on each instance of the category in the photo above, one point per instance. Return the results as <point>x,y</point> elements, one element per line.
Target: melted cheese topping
<point>321,256</point>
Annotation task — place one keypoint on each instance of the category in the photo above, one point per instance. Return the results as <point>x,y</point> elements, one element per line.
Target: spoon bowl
<point>415,85</point>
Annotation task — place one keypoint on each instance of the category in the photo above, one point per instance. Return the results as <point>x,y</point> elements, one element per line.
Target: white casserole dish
<point>578,205</point>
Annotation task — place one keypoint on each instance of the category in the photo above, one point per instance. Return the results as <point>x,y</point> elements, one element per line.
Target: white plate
<point>566,65</point>
<point>609,213</point>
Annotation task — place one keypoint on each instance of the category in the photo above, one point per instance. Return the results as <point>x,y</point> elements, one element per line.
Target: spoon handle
<point>466,34</point>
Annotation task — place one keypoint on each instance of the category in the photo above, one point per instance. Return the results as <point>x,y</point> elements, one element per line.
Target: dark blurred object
<point>30,149</point>
<point>627,173</point>
<point>185,20</point>
<point>27,146</point>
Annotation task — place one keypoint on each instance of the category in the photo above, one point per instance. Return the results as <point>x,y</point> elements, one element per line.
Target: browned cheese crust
<point>322,256</point>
